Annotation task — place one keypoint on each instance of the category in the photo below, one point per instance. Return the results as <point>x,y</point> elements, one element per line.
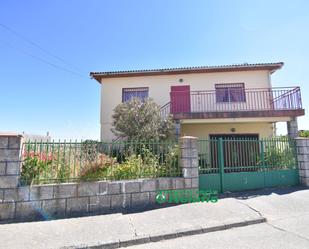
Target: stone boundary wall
<point>302,145</point>
<point>70,199</point>
<point>60,200</point>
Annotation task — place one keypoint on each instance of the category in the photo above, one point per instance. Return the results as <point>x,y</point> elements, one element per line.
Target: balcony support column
<point>177,129</point>
<point>292,127</point>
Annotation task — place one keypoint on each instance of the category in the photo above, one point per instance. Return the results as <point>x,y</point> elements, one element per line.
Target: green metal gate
<point>244,164</point>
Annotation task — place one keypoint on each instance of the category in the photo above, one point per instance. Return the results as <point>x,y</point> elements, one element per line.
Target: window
<point>230,92</point>
<point>137,92</point>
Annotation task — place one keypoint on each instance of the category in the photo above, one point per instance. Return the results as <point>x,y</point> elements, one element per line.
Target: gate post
<point>189,161</point>
<point>302,146</point>
<point>221,163</point>
<point>10,160</point>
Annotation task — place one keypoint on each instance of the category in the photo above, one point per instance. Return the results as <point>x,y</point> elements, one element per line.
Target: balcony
<point>237,103</point>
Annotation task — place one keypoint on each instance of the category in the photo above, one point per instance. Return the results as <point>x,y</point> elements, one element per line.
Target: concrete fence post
<point>189,161</point>
<point>302,145</point>
<point>10,160</point>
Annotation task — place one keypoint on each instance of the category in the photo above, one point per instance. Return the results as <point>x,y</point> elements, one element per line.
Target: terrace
<point>234,102</point>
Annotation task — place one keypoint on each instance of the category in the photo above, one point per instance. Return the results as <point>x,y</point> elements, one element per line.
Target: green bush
<point>34,167</point>
<point>101,168</point>
<point>303,133</point>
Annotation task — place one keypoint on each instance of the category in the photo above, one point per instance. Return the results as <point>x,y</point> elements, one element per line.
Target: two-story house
<point>207,102</point>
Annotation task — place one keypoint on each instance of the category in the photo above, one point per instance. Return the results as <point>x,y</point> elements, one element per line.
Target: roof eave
<point>271,67</point>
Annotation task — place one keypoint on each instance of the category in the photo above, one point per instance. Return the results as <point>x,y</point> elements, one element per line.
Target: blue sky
<point>38,94</point>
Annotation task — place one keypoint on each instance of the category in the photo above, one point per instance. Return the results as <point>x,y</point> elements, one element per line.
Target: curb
<point>138,240</point>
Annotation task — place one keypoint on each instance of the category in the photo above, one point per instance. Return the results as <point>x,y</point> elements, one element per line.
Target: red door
<point>180,99</point>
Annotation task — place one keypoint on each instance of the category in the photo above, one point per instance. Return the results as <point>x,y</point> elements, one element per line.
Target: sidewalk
<point>114,230</point>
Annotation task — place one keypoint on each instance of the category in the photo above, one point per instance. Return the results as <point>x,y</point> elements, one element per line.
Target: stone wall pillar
<point>189,161</point>
<point>10,160</point>
<point>302,145</point>
<point>292,128</point>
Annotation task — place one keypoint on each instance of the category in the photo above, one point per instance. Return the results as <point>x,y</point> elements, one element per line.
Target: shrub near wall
<point>92,161</point>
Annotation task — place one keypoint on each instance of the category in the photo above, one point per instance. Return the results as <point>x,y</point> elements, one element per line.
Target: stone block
<point>4,142</point>
<point>120,201</point>
<point>149,185</point>
<point>65,190</point>
<point>188,183</point>
<point>152,197</point>
<point>303,158</point>
<point>15,142</point>
<point>9,155</point>
<point>140,199</point>
<point>194,163</point>
<point>99,203</point>
<point>303,173</point>
<point>113,188</point>
<point>303,165</point>
<point>130,187</point>
<point>103,187</point>
<point>184,143</point>
<point>16,194</point>
<point>7,211</point>
<point>190,172</point>
<point>53,208</point>
<point>302,141</point>
<point>13,168</point>
<point>28,210</point>
<point>165,183</point>
<point>9,181</point>
<point>88,188</point>
<point>185,162</point>
<point>195,182</point>
<point>41,192</point>
<point>2,168</point>
<point>179,183</point>
<point>304,181</point>
<point>185,153</point>
<point>77,205</point>
<point>303,150</point>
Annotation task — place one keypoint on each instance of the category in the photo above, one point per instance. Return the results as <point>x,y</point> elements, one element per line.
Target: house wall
<point>264,130</point>
<point>159,89</point>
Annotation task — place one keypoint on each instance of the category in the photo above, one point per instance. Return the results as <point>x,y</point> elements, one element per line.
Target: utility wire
<point>43,60</point>
<point>39,47</point>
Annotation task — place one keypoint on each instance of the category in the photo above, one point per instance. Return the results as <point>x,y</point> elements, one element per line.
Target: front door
<point>180,99</point>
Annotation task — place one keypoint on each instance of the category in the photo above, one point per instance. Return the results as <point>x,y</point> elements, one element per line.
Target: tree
<point>140,120</point>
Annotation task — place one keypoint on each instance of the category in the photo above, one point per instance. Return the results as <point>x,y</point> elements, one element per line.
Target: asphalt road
<point>287,213</point>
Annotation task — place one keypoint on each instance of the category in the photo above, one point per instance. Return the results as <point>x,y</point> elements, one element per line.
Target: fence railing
<point>257,99</point>
<point>53,162</point>
<point>244,155</point>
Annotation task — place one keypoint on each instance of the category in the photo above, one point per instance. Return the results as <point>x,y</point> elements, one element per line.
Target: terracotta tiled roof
<point>186,70</point>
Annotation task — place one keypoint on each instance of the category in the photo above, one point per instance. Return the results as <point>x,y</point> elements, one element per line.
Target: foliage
<point>279,156</point>
<point>303,133</point>
<point>140,120</point>
<point>34,165</point>
<point>98,169</point>
<point>134,167</point>
<point>89,150</point>
<point>145,164</point>
<point>91,161</point>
